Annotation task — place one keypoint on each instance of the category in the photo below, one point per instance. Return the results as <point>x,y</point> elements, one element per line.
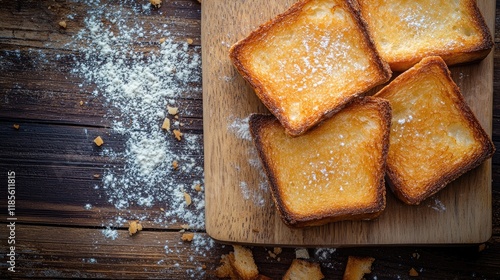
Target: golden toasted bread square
<point>333,172</point>
<point>434,137</point>
<point>310,61</point>
<point>407,31</point>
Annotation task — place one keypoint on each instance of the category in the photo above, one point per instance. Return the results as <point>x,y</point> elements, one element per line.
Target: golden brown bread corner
<point>243,263</point>
<point>333,172</point>
<point>302,269</point>
<point>309,62</point>
<point>435,137</point>
<point>357,267</point>
<point>407,31</point>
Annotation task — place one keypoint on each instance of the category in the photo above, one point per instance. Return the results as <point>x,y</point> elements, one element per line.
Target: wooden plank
<point>37,57</point>
<point>56,175</point>
<point>61,252</point>
<point>48,252</point>
<point>55,194</point>
<point>463,209</point>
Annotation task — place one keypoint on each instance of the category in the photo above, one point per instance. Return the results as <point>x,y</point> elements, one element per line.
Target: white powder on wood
<point>257,194</point>
<point>137,80</point>
<point>436,204</point>
<point>110,233</point>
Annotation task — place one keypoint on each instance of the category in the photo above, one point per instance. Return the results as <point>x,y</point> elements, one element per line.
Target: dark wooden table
<point>54,161</point>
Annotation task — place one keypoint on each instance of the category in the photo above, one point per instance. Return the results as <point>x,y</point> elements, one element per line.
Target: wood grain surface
<point>458,214</point>
<point>57,238</point>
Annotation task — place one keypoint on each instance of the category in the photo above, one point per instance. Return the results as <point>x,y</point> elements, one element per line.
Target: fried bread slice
<point>309,62</point>
<point>407,31</point>
<point>333,172</point>
<point>434,137</point>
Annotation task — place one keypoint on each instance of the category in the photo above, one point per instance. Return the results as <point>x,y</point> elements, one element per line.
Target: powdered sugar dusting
<point>137,83</point>
<point>137,79</point>
<point>110,233</point>
<point>240,128</point>
<point>325,256</point>
<point>436,204</point>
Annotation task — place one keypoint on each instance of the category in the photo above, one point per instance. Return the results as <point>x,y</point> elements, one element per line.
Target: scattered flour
<point>123,63</point>
<point>137,82</point>
<point>436,204</point>
<point>240,128</point>
<point>110,233</point>
<point>325,256</point>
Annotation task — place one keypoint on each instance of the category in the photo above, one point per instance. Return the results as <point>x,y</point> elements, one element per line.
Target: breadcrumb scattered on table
<point>63,24</point>
<point>134,227</point>
<point>155,3</point>
<point>98,141</point>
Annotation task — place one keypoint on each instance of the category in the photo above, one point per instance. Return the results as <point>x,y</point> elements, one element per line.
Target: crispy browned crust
<point>396,181</point>
<point>235,54</point>
<point>259,122</point>
<point>357,266</point>
<point>300,267</point>
<point>452,57</point>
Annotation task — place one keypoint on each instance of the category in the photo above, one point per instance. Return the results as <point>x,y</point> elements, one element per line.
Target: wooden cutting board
<point>239,207</point>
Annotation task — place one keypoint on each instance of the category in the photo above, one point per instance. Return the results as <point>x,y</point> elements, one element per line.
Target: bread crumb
<point>81,102</point>
<point>155,3</point>
<point>357,267</point>
<point>302,269</point>
<point>97,176</point>
<point>166,124</point>
<point>225,270</point>
<point>177,134</point>
<point>244,263</point>
<point>162,40</point>
<point>134,227</point>
<point>63,24</point>
<point>481,247</point>
<point>98,141</point>
<point>416,256</point>
<point>413,272</point>
<point>189,41</point>
<point>197,187</point>
<point>301,253</point>
<point>271,254</point>
<point>172,110</point>
<point>185,226</point>
<point>277,250</point>
<point>175,164</point>
<point>187,237</point>
<point>16,126</point>
<point>187,198</point>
